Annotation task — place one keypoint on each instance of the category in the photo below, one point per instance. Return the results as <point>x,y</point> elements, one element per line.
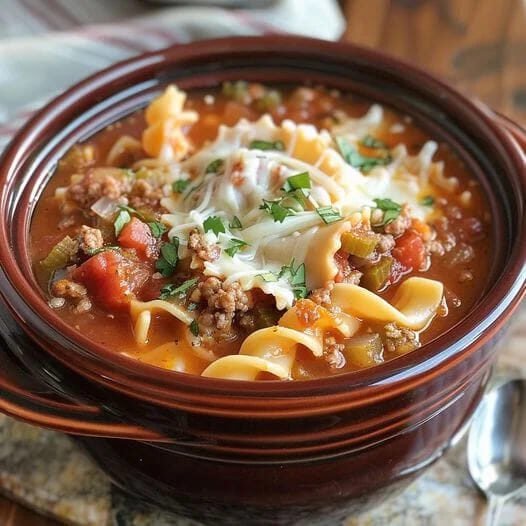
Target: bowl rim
<point>477,327</point>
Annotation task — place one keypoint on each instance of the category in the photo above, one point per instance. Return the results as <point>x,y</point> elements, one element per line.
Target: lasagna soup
<point>261,233</point>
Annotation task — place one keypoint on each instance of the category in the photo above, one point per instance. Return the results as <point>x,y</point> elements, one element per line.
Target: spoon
<point>497,446</point>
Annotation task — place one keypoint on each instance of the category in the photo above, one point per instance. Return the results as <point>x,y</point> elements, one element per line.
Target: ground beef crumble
<point>222,302</point>
<point>90,239</point>
<point>400,224</point>
<point>400,340</point>
<point>97,183</point>
<point>333,353</point>
<point>203,251</point>
<point>74,293</point>
<point>144,194</point>
<point>322,296</point>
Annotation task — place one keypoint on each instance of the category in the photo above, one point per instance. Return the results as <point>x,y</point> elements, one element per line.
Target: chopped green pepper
<point>364,350</point>
<point>359,243</point>
<point>60,255</point>
<point>376,275</point>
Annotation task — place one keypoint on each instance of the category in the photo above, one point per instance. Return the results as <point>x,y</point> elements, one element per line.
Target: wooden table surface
<point>477,45</point>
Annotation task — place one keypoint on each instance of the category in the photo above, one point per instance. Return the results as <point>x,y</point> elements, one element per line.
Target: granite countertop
<point>50,473</point>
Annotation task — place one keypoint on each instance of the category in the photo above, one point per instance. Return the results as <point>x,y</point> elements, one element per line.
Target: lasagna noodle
<point>166,118</point>
<point>141,314</point>
<point>414,304</point>
<point>273,349</point>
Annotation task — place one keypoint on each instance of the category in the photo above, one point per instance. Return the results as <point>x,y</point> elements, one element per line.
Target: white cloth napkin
<point>47,46</point>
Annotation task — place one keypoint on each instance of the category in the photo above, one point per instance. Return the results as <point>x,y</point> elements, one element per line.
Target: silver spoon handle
<point>494,510</point>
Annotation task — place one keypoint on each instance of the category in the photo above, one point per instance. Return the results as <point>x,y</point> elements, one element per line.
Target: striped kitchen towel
<point>47,46</point>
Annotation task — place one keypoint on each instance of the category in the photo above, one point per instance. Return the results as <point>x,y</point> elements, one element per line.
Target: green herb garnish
<point>215,224</point>
<point>329,214</point>
<point>277,210</point>
<point>372,142</point>
<point>215,166</point>
<point>296,277</point>
<point>428,200</point>
<point>235,224</point>
<point>235,246</point>
<point>167,263</point>
<point>131,211</point>
<point>257,144</point>
<point>356,159</point>
<point>171,290</point>
<point>194,328</point>
<point>268,277</point>
<point>122,219</point>
<point>180,185</point>
<point>390,208</point>
<point>297,182</point>
<point>157,229</point>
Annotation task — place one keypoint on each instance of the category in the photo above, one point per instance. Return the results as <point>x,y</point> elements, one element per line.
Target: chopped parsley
<point>329,214</point>
<point>194,328</point>
<point>257,144</point>
<point>428,200</point>
<point>95,251</point>
<point>277,210</point>
<point>131,211</point>
<point>172,290</point>
<point>180,185</point>
<point>128,172</point>
<point>390,208</point>
<point>296,188</point>
<point>356,159</point>
<point>215,224</point>
<point>297,182</point>
<point>296,277</point>
<point>268,277</point>
<point>215,166</point>
<point>122,219</point>
<point>235,246</point>
<point>157,229</point>
<point>167,263</point>
<point>235,224</point>
<point>372,142</point>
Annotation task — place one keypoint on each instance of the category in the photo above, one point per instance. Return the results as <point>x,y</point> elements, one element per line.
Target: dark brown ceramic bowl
<point>274,452</point>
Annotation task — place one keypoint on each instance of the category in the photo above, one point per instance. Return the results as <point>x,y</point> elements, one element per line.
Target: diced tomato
<point>137,235</point>
<point>410,250</point>
<point>152,289</point>
<point>111,278</point>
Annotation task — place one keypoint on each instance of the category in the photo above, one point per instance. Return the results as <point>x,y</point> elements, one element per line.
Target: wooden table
<point>477,45</point>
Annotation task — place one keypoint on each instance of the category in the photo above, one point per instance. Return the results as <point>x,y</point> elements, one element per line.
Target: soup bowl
<point>261,452</point>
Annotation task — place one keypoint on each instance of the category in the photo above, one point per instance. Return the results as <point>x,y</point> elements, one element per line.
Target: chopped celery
<point>269,101</point>
<point>376,275</point>
<point>60,255</point>
<point>237,91</point>
<point>364,350</point>
<point>359,243</point>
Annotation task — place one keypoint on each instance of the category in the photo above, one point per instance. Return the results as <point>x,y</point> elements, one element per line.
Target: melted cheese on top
<point>248,177</point>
